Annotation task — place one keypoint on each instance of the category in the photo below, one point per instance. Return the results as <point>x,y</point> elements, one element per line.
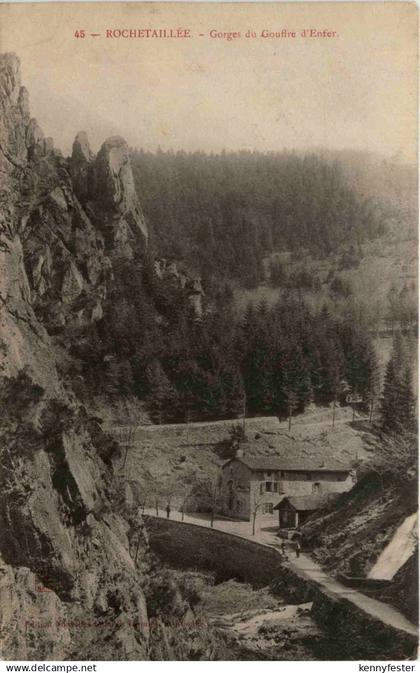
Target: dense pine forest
<point>274,360</point>
<point>223,213</point>
<point>218,216</point>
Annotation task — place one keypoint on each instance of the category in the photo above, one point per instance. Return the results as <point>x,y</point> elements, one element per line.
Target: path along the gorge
<point>304,565</point>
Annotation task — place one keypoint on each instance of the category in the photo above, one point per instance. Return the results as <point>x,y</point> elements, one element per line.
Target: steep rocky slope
<point>73,563</point>
<point>349,537</point>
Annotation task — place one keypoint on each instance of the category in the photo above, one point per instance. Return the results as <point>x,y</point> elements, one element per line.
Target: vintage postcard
<point>208,332</point>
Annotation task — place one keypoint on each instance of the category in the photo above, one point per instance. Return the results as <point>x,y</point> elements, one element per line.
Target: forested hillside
<point>273,360</point>
<point>223,213</point>
<point>298,226</point>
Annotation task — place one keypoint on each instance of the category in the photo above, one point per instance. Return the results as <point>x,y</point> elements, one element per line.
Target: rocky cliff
<point>72,561</point>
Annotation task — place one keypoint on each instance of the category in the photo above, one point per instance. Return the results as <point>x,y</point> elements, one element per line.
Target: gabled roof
<point>291,463</point>
<point>304,503</point>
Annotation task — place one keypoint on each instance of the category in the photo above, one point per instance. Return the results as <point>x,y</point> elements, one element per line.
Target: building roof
<point>304,503</point>
<point>292,463</point>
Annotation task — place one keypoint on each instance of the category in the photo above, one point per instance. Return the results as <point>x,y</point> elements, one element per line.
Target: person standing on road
<point>297,548</point>
<point>168,511</point>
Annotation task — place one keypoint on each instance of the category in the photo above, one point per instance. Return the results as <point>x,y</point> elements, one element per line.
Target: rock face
<point>70,584</point>
<point>106,185</point>
<point>191,284</point>
<point>81,159</point>
<point>71,216</point>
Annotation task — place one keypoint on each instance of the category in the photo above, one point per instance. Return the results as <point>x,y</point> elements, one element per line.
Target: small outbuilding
<point>295,510</point>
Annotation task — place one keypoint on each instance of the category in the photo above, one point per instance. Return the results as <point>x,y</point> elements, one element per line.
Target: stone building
<point>255,484</point>
<point>295,510</point>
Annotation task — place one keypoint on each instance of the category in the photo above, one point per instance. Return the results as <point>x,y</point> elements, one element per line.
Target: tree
<point>292,403</point>
<point>256,504</point>
<point>408,402</point>
<point>395,456</point>
<point>373,390</point>
<point>126,436</point>
<point>277,273</point>
<point>327,358</point>
<point>160,490</point>
<point>295,381</point>
<point>360,361</point>
<point>210,495</point>
<point>162,399</point>
<point>398,403</point>
<point>233,391</point>
<point>257,364</point>
<point>186,488</point>
<point>152,492</point>
<point>237,435</point>
<point>390,398</point>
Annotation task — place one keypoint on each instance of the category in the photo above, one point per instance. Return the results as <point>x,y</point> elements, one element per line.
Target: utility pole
<point>333,418</point>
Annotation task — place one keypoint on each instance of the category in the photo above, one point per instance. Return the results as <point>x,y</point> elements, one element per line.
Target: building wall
<point>319,484</point>
<point>236,491</point>
<point>333,484</point>
<point>244,491</point>
<point>259,500</point>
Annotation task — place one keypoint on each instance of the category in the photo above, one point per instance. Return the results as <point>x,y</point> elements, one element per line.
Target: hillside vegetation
<point>223,213</point>
<point>348,536</point>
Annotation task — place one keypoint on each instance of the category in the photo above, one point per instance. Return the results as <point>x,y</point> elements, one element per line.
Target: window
<point>268,508</point>
<point>269,487</point>
<point>316,487</point>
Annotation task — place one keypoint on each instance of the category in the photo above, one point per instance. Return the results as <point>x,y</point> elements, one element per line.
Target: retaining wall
<point>354,634</point>
<point>186,545</point>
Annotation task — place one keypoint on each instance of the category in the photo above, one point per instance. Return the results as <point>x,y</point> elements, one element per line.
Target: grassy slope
<point>174,451</point>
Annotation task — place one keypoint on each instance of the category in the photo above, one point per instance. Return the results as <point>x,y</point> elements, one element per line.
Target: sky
<point>356,90</point>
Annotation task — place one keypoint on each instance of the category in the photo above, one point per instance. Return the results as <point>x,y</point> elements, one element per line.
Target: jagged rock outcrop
<point>70,216</point>
<point>190,283</point>
<point>80,165</point>
<point>105,184</point>
<point>66,541</point>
